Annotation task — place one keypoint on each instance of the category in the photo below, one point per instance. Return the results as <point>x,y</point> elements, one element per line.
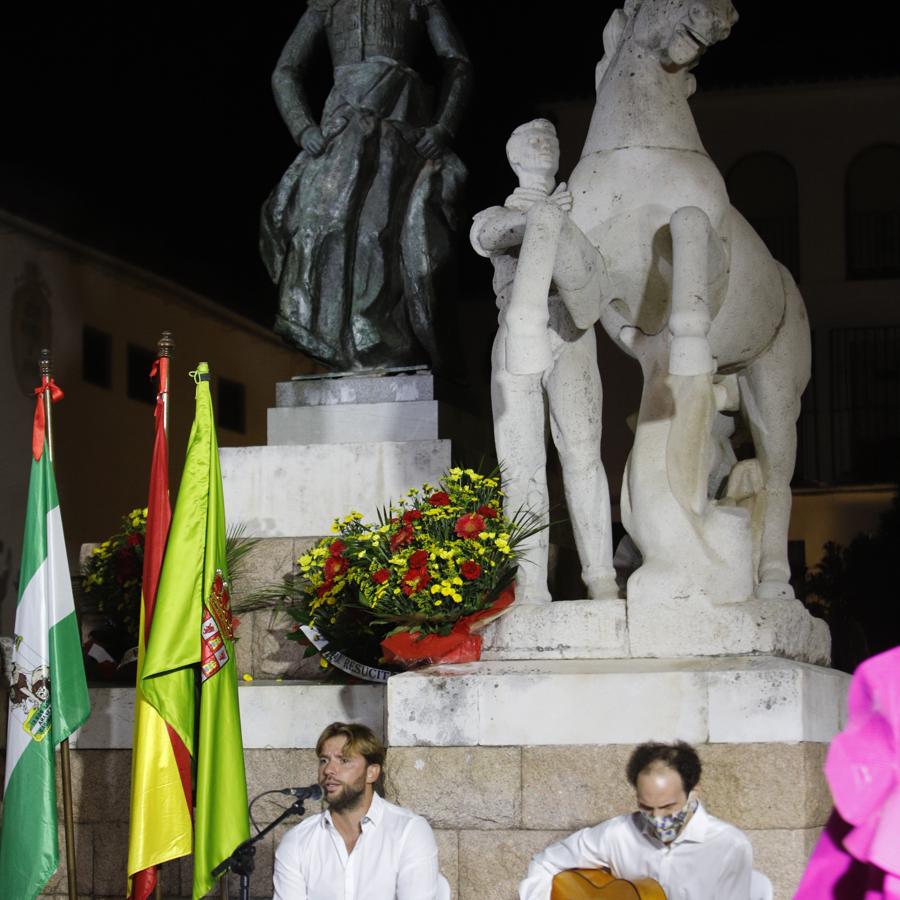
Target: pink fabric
<point>858,855</point>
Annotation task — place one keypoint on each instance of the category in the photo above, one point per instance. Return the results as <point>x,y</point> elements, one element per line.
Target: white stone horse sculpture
<point>654,251</point>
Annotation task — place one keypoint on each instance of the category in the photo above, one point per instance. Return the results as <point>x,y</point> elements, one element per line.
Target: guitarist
<point>670,838</point>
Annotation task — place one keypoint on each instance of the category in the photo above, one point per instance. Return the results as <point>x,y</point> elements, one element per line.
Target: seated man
<point>361,847</point>
<point>671,838</point>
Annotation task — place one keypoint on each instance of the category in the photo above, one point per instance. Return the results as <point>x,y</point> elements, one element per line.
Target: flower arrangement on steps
<point>417,585</point>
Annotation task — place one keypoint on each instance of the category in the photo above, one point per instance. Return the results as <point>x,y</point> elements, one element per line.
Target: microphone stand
<point>241,862</point>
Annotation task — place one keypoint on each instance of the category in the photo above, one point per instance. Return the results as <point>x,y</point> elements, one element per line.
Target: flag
<point>48,697</point>
<point>189,671</point>
<point>161,794</point>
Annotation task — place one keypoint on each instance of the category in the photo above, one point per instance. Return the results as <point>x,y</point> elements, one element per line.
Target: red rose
<point>487,511</point>
<point>135,538</point>
<point>415,580</point>
<point>323,589</point>
<point>441,498</point>
<point>401,537</point>
<point>337,548</point>
<point>469,526</point>
<point>470,570</point>
<point>334,566</point>
<point>419,559</point>
<point>410,516</point>
<point>381,576</point>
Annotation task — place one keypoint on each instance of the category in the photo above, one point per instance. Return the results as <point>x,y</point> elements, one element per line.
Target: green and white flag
<point>48,697</point>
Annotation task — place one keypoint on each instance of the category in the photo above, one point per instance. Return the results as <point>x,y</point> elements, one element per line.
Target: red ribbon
<point>37,432</point>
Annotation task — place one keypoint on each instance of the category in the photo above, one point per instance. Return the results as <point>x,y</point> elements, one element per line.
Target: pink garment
<point>858,854</point>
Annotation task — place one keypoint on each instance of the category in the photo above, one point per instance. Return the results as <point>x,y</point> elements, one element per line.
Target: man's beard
<point>348,798</point>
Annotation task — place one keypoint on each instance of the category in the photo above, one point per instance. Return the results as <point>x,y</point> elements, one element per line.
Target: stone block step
<point>289,491</point>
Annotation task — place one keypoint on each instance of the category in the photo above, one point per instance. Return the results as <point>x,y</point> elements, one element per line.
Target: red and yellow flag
<point>189,671</point>
<point>161,766</point>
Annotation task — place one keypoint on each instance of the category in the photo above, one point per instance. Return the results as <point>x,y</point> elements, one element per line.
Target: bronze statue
<point>358,235</point>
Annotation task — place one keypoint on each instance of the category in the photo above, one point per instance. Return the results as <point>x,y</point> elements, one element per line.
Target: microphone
<point>313,792</point>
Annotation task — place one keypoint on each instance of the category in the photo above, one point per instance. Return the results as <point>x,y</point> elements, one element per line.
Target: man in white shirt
<point>671,838</point>
<point>361,847</point>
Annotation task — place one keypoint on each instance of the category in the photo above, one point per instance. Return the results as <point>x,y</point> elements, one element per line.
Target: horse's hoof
<point>774,590</point>
<point>602,589</point>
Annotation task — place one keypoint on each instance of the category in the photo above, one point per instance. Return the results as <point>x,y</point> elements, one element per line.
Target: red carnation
<point>323,589</point>
<point>334,566</point>
<point>135,538</point>
<point>441,498</point>
<point>469,526</point>
<point>415,580</point>
<point>401,537</point>
<point>381,576</point>
<point>470,570</point>
<point>419,559</point>
<point>487,511</point>
<point>410,516</point>
<point>337,548</point>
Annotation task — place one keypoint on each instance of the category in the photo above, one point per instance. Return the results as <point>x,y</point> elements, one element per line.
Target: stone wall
<point>492,808</point>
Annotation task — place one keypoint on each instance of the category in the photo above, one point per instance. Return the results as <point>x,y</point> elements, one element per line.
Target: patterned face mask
<point>667,828</point>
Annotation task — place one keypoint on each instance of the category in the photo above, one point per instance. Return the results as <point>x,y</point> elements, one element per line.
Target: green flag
<point>189,671</point>
<point>48,697</point>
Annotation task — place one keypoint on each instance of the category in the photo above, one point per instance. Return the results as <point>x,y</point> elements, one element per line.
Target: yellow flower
<point>305,560</point>
<point>247,676</point>
<point>323,663</point>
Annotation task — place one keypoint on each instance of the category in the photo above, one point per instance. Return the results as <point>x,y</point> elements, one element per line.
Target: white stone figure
<point>565,377</point>
<point>654,250</point>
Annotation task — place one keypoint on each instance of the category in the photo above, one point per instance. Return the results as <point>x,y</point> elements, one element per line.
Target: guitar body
<point>599,884</point>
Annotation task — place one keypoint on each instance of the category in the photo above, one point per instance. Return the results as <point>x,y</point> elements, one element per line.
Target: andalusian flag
<point>48,697</point>
<point>190,654</point>
<point>161,795</point>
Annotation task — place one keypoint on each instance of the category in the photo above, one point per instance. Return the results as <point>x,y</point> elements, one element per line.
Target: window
<point>763,187</point>
<point>140,385</point>
<point>873,214</point>
<point>865,404</point>
<point>96,357</point>
<point>232,405</point>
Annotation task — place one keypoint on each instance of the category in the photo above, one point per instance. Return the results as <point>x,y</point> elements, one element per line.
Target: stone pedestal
<point>335,444</point>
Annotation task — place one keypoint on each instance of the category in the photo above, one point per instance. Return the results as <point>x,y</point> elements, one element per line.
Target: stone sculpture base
<point>664,627</point>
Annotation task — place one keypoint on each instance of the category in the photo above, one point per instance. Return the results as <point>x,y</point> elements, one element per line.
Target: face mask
<point>667,828</point>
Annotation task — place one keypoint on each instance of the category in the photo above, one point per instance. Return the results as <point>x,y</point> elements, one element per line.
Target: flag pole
<point>164,347</point>
<point>64,757</point>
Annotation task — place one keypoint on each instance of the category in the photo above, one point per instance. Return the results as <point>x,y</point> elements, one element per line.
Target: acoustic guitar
<point>600,884</point>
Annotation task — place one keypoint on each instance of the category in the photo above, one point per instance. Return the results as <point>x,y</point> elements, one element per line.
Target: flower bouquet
<point>416,586</point>
<point>111,589</point>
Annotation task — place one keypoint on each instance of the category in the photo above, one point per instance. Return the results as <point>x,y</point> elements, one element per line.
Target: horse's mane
<point>612,36</point>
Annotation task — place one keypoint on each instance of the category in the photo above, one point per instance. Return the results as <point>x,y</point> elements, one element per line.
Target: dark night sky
<point>151,133</point>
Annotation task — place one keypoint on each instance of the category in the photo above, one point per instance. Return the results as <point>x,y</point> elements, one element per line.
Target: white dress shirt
<point>709,860</point>
<point>395,858</point>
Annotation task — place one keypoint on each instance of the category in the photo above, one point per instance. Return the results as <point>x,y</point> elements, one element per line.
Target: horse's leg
<point>690,318</point>
<point>771,388</point>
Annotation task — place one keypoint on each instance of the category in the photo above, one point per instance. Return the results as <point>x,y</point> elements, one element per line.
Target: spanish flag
<point>189,673</point>
<point>161,766</point>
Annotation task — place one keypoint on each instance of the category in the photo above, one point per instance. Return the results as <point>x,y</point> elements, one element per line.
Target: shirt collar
<point>374,814</point>
<point>695,830</point>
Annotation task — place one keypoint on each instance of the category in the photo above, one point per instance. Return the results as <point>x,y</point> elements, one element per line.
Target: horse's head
<point>678,31</point>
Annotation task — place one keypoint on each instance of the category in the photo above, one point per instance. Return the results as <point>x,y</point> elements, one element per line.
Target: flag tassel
<point>47,398</point>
